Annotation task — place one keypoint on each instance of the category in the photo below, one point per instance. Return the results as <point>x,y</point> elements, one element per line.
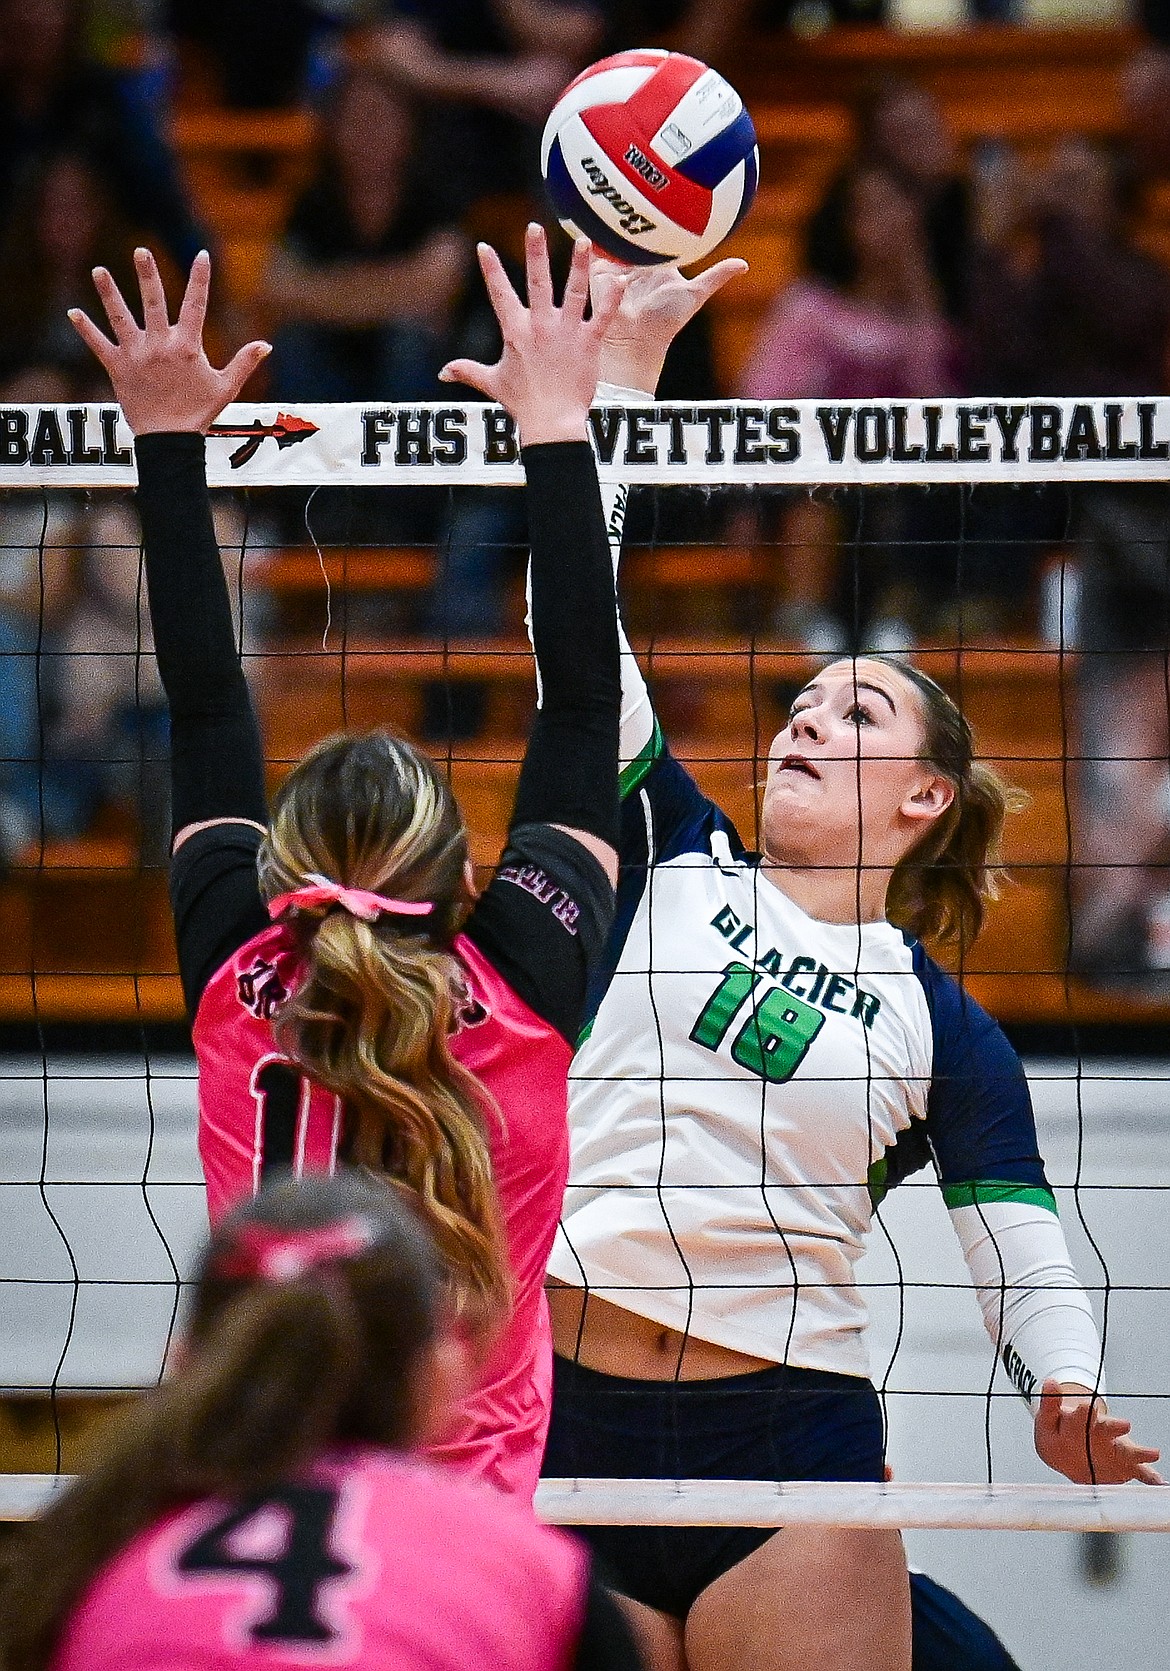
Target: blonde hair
<point>373,1016</point>
<point>939,891</point>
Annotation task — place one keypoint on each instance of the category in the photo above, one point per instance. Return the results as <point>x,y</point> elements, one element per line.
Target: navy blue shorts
<point>774,1424</point>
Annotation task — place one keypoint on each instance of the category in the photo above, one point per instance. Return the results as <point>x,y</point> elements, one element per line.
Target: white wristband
<point>613,394</point>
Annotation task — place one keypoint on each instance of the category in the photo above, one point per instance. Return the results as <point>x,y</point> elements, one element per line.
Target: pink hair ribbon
<point>264,1253</point>
<point>359,902</point>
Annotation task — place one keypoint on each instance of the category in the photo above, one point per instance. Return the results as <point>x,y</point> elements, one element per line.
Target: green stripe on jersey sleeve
<point>643,762</point>
<point>878,1181</point>
<point>989,1190</point>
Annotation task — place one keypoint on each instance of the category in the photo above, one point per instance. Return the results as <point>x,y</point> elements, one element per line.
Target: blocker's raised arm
<point>546,377</point>
<point>170,393</point>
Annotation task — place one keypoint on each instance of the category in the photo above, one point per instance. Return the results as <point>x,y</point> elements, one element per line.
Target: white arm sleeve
<point>1036,1312</point>
<point>638,722</point>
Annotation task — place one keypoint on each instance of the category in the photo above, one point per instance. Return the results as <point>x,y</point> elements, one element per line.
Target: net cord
<point>909,1505</point>
<point>793,443</point>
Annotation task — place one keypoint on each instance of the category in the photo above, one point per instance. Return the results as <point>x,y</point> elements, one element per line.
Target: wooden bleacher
<point>85,932</point>
<point>1030,87</point>
<point>89,908</point>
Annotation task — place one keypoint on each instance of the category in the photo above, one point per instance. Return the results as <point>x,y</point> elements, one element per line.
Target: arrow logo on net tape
<point>286,432</point>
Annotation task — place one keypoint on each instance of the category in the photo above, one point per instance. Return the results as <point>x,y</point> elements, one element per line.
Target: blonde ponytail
<point>375,1011</point>
<point>372,1020</point>
<point>941,889</point>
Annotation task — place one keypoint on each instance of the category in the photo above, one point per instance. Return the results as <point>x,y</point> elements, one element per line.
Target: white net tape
<point>712,443</point>
<point>914,1505</point>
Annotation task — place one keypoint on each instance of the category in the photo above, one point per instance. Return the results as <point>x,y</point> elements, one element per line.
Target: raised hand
<point>160,373</point>
<point>547,373</point>
<point>1071,1426</point>
<point>656,302</point>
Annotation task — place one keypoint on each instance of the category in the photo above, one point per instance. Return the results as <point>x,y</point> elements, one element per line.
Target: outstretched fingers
<point>241,366</point>
<point>536,269</point>
<point>1085,1442</point>
<point>99,345</point>
<point>705,285</point>
<point>193,310</point>
<point>507,306</point>
<point>122,322</point>
<point>154,299</point>
<point>576,293</point>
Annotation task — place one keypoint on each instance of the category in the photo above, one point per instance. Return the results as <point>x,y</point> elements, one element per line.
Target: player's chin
<point>788,791</point>
<point>789,807</point>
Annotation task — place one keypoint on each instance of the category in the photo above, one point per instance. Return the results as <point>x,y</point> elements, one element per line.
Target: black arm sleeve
<point>217,766</point>
<point>606,1642</point>
<point>570,771</point>
<point>543,922</point>
<point>215,898</point>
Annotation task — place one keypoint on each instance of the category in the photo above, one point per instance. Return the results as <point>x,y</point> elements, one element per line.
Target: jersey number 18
<point>774,1039</point>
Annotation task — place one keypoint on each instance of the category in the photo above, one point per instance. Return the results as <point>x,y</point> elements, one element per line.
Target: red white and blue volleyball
<point>652,156</point>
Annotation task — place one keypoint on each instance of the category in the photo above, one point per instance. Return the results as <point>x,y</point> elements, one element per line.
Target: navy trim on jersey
<point>979,1118</point>
<point>909,1153</point>
<point>668,816</point>
<point>682,818</point>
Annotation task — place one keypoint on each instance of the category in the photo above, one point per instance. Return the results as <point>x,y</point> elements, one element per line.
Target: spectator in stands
<point>61,225</point>
<point>900,127</point>
<point>82,725</point>
<point>705,29</point>
<point>1065,303</point>
<point>1121,827</point>
<point>109,728</point>
<point>363,286</point>
<point>365,280</point>
<point>260,49</point>
<point>910,588</point>
<point>492,69</point>
<point>52,96</point>
<point>879,330</point>
<point>1146,96</point>
<point>35,572</point>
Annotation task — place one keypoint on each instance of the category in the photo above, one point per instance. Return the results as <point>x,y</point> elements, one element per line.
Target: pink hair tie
<point>263,1253</point>
<point>357,901</point>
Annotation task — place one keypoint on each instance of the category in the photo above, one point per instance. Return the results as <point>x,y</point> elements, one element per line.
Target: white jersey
<point>751,1083</point>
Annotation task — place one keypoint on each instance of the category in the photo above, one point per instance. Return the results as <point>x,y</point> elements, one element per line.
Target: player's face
<point>846,775</point>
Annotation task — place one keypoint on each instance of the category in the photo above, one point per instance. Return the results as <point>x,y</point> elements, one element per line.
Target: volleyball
<point>652,156</point>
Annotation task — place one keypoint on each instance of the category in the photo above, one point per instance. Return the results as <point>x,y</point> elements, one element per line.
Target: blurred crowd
<point>924,271</point>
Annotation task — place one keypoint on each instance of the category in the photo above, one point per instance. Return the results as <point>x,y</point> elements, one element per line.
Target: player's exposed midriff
<point>614,1341</point>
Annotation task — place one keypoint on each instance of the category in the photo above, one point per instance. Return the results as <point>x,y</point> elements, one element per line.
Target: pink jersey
<point>816,341</point>
<point>255,1108</point>
<point>368,1559</point>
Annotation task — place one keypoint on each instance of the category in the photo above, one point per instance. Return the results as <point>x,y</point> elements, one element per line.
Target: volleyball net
<point>1020,549</point>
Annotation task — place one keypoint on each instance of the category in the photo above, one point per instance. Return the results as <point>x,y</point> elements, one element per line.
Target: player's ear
<point>929,799</point>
